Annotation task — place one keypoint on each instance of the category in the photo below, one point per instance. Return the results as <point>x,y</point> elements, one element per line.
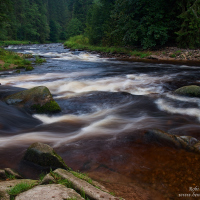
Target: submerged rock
<point>37,99</point>
<point>44,156</point>
<point>184,142</point>
<point>190,91</point>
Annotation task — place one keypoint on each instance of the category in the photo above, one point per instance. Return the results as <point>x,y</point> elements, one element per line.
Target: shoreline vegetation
<point>171,55</point>
<point>15,42</point>
<point>10,60</point>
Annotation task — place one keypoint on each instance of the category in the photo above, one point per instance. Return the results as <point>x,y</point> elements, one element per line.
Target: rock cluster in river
<point>58,185</point>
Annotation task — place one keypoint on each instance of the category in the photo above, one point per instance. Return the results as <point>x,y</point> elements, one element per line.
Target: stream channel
<point>106,105</point>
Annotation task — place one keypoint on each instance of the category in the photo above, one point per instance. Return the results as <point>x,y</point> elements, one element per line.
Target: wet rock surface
<point>14,120</point>
<point>44,155</point>
<point>37,99</point>
<point>81,185</point>
<point>5,186</point>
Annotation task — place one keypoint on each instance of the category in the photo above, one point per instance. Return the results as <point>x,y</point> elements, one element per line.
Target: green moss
<point>50,107</point>
<point>190,91</point>
<point>59,180</point>
<point>44,156</point>
<point>82,176</point>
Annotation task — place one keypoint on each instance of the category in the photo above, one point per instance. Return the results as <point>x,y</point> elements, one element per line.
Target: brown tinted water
<point>106,107</point>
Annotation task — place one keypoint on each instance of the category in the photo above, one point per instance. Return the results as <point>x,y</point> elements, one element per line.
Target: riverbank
<point>15,42</point>
<point>169,55</point>
<point>11,60</point>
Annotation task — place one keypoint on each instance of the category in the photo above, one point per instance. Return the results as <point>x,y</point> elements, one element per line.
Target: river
<point>105,104</point>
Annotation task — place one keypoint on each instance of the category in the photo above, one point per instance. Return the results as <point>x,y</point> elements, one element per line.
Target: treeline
<point>144,23</point>
<point>42,20</point>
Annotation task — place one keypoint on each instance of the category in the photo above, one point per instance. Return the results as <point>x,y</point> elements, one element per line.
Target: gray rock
<point>190,91</point>
<point>37,99</point>
<point>6,185</point>
<point>197,146</point>
<point>47,179</point>
<point>45,156</point>
<point>4,195</point>
<point>48,192</point>
<point>80,185</point>
<point>161,137</point>
<point>191,141</point>
<point>184,142</point>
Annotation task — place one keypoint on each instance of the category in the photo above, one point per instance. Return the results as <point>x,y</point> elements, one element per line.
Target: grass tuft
<point>19,188</point>
<point>82,176</point>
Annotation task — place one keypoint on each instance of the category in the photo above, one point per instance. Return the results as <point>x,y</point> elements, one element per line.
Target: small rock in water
<point>190,91</point>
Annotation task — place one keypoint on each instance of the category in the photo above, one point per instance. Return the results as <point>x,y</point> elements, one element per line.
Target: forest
<point>143,23</point>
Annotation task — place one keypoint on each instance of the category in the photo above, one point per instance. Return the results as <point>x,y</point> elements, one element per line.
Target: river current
<point>104,103</point>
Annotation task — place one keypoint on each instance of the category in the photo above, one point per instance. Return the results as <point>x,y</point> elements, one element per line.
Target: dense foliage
<point>144,23</point>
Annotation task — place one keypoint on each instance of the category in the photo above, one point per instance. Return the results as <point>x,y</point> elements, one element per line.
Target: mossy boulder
<point>44,156</point>
<point>190,91</point>
<point>37,99</point>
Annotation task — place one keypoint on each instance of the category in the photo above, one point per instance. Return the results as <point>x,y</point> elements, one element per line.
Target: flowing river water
<point>106,104</point>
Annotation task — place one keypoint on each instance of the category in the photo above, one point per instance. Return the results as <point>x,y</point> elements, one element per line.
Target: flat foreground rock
<point>6,185</point>
<point>81,185</point>
<point>48,192</point>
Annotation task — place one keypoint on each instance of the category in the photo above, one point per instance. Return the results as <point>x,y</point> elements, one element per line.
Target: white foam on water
<point>110,125</point>
<point>183,98</point>
<point>64,85</point>
<point>168,107</point>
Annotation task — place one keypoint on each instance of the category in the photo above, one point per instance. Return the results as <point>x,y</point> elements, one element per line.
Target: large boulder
<point>37,99</point>
<point>190,91</point>
<point>44,156</point>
